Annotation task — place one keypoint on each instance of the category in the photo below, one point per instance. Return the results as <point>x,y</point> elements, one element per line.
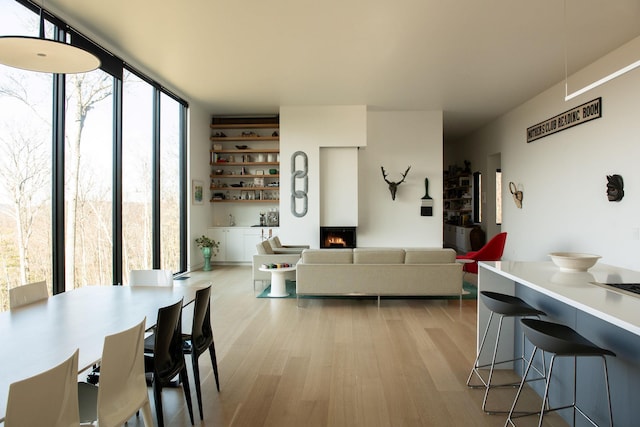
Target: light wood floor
<point>336,362</point>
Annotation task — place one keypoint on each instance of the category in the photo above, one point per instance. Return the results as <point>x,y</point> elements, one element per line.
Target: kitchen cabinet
<point>238,244</point>
<point>457,237</point>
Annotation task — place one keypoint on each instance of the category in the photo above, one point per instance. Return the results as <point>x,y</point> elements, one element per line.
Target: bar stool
<point>560,340</point>
<point>505,306</point>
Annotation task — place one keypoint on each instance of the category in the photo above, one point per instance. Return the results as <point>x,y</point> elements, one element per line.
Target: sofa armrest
<point>288,250</point>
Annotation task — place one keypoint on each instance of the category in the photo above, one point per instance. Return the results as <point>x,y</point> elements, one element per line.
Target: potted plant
<point>207,247</point>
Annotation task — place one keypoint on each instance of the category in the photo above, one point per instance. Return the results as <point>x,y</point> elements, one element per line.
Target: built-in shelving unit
<point>457,199</point>
<point>457,209</point>
<point>245,162</point>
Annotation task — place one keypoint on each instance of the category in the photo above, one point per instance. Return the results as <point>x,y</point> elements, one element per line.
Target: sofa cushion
<point>274,242</point>
<point>266,247</point>
<point>429,256</point>
<point>327,256</point>
<point>378,256</point>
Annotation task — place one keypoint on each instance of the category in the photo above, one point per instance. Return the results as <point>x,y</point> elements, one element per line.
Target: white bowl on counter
<point>574,261</point>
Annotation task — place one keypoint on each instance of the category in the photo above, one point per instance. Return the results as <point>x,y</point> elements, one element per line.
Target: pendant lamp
<point>44,55</point>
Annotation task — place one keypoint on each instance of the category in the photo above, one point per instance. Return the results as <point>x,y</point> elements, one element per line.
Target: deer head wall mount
<point>393,186</point>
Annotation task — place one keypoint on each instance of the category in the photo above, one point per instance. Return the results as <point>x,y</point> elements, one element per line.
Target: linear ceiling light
<point>45,55</point>
<point>597,83</point>
<point>568,96</point>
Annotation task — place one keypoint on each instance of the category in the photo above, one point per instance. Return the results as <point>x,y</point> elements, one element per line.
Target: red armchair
<point>492,251</point>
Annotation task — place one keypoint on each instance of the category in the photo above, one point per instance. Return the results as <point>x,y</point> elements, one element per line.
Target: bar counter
<point>607,316</point>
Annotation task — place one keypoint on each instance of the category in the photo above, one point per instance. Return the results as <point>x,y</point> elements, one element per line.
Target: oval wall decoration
<point>296,176</point>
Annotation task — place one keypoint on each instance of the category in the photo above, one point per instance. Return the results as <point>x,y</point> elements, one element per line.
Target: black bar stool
<point>505,306</point>
<point>560,340</point>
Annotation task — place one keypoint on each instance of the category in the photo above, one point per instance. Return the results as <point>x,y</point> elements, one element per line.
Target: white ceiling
<point>473,59</point>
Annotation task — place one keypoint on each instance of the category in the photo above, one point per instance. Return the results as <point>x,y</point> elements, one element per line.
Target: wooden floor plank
<point>336,362</point>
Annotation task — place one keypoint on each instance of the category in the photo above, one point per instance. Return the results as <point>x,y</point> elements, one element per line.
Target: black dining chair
<point>201,338</point>
<point>164,357</point>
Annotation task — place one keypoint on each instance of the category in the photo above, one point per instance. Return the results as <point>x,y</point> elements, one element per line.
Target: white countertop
<point>615,306</point>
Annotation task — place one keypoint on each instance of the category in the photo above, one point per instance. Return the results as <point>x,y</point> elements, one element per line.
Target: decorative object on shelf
<point>517,195</point>
<point>299,174</point>
<point>427,202</point>
<point>209,248</point>
<point>615,188</point>
<point>393,186</point>
<point>467,166</point>
<point>241,147</point>
<point>197,191</point>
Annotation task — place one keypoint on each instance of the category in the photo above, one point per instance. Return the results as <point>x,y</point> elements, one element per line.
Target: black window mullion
<point>117,181</point>
<point>155,199</point>
<point>183,187</point>
<point>57,191</point>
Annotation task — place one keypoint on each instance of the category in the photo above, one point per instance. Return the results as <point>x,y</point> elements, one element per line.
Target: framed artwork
<point>197,191</point>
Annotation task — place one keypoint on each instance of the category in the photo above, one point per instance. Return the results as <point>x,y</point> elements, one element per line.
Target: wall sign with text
<point>576,116</point>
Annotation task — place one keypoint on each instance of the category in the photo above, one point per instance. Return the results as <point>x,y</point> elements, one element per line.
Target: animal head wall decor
<point>615,188</point>
<point>393,186</point>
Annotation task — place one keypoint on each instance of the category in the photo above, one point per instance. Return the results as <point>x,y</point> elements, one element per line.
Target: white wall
<point>307,129</point>
<point>563,176</point>
<point>199,216</point>
<point>396,140</point>
<point>339,186</point>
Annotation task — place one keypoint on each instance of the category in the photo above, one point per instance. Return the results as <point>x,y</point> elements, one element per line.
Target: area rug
<point>471,292</point>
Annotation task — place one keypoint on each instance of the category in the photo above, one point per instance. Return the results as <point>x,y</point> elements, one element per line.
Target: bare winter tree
<point>24,168</point>
<point>84,91</point>
<point>25,174</point>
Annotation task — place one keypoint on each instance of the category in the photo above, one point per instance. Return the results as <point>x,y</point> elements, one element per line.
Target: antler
<point>404,175</point>
<point>384,175</point>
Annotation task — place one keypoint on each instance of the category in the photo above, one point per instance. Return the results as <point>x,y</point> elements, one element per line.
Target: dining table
<point>41,335</point>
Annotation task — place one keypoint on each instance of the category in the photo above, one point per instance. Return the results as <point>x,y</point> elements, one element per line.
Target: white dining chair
<point>26,294</point>
<point>46,399</point>
<point>122,390</point>
<point>151,277</point>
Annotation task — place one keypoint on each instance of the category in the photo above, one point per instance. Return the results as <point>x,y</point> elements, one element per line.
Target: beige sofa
<point>266,255</point>
<point>379,272</point>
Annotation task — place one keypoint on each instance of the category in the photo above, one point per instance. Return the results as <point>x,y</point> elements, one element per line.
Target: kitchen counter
<point>578,290</point>
<point>605,315</point>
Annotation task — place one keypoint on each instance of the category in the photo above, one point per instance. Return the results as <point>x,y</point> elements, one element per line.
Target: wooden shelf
<point>246,126</point>
<point>245,188</point>
<point>246,164</point>
<point>244,176</point>
<point>248,150</point>
<point>244,138</point>
<point>245,201</point>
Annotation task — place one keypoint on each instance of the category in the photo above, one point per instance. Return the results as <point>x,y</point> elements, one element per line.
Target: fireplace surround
<point>337,237</point>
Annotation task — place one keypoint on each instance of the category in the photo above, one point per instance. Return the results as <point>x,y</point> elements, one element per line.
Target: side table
<point>278,287</point>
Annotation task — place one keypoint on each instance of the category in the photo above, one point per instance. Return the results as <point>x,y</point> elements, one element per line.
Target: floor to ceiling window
<point>169,183</point>
<point>25,165</point>
<point>88,179</point>
<point>137,173</point>
<point>119,130</point>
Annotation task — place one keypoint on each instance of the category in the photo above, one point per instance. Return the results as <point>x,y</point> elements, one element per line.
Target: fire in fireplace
<point>337,237</point>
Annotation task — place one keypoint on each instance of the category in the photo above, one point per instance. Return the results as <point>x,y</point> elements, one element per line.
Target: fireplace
<point>337,237</point>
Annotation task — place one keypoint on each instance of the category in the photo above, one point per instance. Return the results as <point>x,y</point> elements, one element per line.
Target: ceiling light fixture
<point>568,96</point>
<point>44,55</point>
